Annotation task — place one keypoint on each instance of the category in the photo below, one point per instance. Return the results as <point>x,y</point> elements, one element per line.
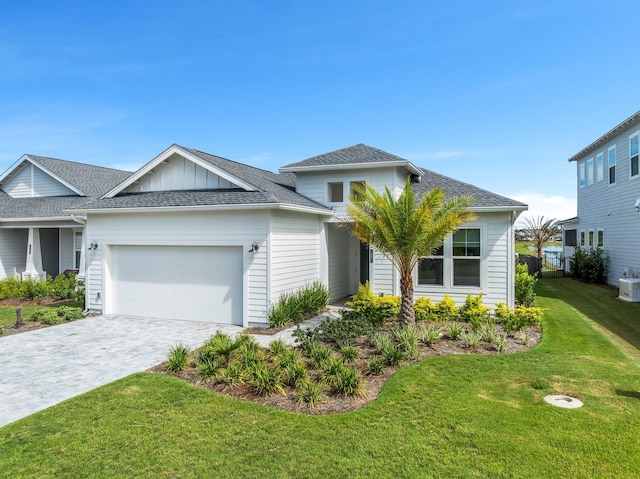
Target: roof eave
<point>629,122</point>
<point>351,166</point>
<point>171,209</point>
<point>498,209</point>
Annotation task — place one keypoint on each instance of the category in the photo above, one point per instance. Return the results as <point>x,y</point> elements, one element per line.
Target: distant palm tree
<point>540,231</point>
<point>407,229</point>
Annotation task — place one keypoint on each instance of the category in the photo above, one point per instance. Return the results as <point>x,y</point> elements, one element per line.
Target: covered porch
<point>38,250</point>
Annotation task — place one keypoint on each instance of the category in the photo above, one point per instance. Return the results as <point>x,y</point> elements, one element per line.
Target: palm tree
<point>407,229</point>
<point>540,231</point>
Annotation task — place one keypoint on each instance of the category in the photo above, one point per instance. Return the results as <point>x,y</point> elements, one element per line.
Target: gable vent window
<point>336,192</point>
<point>633,154</point>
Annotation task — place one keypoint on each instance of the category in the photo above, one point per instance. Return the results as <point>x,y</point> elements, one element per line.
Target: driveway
<point>44,367</point>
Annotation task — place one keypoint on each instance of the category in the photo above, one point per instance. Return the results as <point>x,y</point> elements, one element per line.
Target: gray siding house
<point>608,185</point>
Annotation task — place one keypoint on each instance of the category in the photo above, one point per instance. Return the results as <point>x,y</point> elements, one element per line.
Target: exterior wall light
<point>255,248</point>
<point>637,206</point>
<point>93,246</point>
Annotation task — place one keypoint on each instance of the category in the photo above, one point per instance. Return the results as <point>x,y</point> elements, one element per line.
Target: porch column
<point>33,267</point>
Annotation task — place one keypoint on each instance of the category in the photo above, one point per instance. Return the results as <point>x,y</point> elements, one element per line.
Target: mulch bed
<point>334,403</point>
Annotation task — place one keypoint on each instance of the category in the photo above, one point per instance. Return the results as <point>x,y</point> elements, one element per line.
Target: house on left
<point>37,237</point>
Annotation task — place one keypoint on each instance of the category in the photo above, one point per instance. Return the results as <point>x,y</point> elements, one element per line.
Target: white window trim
<point>443,257</point>
<point>615,165</point>
<point>635,134</point>
<point>328,192</point>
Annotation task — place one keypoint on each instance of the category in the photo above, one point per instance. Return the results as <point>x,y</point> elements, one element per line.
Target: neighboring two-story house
<point>194,236</point>
<point>608,184</point>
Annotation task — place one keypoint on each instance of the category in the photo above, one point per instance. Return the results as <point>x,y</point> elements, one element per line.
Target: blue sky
<point>498,94</point>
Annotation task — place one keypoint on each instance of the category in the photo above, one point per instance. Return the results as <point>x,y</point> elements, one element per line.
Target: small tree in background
<point>541,231</point>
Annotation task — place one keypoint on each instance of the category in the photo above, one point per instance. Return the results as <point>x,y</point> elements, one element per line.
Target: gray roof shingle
<point>352,155</point>
<point>93,181</point>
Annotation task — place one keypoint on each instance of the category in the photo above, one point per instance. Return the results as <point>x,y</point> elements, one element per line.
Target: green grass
<point>8,313</point>
<point>523,247</point>
<point>456,416</point>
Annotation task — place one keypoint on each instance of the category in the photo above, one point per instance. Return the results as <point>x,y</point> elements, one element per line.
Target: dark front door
<point>365,252</point>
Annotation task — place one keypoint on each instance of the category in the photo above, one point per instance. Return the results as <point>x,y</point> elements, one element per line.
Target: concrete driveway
<point>44,367</point>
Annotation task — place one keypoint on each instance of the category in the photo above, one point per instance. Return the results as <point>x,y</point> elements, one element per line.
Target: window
<point>336,192</point>
<point>352,186</point>
<point>612,165</point>
<point>590,171</point>
<point>633,155</point>
<point>599,166</point>
<point>600,238</point>
<point>77,247</point>
<point>466,257</point>
<point>582,238</point>
<point>431,269</point>
<point>581,175</point>
<point>591,238</point>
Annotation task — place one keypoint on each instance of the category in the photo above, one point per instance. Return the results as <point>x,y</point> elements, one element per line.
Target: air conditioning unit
<point>629,290</point>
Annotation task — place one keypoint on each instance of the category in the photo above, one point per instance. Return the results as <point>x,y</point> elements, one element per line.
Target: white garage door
<point>177,282</point>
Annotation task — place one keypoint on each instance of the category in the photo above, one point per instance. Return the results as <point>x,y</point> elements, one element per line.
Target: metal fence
<point>551,265</point>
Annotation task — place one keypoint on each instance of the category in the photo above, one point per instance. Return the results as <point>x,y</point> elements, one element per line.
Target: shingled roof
<point>359,155</point>
<point>270,188</point>
<point>482,198</point>
<point>92,181</point>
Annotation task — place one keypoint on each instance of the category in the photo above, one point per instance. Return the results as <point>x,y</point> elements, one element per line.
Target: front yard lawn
<point>448,416</point>
<point>8,313</point>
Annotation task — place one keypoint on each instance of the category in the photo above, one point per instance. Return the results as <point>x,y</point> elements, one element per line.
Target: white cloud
<point>556,206</point>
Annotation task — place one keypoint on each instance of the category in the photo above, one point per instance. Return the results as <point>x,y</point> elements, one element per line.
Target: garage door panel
<point>197,283</point>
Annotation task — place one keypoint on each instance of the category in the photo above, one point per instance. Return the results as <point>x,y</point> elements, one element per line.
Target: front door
<point>365,261</point>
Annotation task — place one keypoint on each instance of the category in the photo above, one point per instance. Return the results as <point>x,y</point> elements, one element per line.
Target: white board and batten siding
<point>181,230</point>
<point>177,174</point>
<point>31,182</point>
<point>294,252</point>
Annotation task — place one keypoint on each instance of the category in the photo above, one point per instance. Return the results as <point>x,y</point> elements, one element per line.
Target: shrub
<point>178,358</point>
<point>423,308</point>
<point>487,332</point>
<point>208,367</point>
<point>430,334</point>
<point>473,311</point>
<point>394,355</point>
<point>232,375</point>
<point>278,347</point>
<point>62,287</point>
<point>375,366</point>
<point>294,374</point>
<point>502,313</point>
<point>266,381</point>
<point>310,394</point>
<point>349,353</point>
<point>471,339</point>
<point>319,354</point>
<point>521,317</point>
<point>47,316</point>
<point>445,310</point>
<point>349,382</point>
<point>345,330</point>
<point>298,306</point>
<point>220,344</point>
<point>70,313</point>
<point>375,308</point>
<point>331,369</point>
<point>408,338</point>
<point>454,331</point>
<point>306,338</point>
<point>589,265</point>
<point>525,285</point>
<point>382,342</point>
<point>501,342</point>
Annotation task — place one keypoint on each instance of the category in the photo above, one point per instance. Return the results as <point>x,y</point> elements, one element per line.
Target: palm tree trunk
<point>407,313</point>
